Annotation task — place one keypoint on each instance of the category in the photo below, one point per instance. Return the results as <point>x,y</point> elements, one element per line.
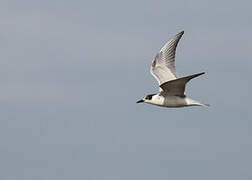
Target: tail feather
<point>205,105</point>
<point>192,102</point>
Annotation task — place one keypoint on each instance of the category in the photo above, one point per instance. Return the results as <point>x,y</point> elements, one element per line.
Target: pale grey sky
<point>71,72</point>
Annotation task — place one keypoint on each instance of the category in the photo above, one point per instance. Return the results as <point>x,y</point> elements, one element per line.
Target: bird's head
<point>146,99</point>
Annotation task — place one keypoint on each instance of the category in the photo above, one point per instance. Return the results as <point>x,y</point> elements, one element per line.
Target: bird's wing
<point>163,66</point>
<point>176,87</point>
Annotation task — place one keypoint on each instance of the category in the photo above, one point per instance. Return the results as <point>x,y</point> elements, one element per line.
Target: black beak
<point>140,101</point>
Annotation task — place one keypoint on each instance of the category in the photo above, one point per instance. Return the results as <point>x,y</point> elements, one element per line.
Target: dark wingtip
<point>180,34</point>
<point>196,75</point>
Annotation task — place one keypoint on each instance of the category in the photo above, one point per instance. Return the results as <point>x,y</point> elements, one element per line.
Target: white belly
<point>172,101</point>
<point>175,101</point>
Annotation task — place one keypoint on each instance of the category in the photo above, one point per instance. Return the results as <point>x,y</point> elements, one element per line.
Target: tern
<point>172,88</point>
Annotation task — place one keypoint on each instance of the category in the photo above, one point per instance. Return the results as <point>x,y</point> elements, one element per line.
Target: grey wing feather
<point>163,66</point>
<point>177,87</point>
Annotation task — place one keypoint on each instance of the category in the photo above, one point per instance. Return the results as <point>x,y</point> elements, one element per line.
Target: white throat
<point>156,99</point>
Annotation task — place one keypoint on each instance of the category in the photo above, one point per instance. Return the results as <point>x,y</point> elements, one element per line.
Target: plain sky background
<point>71,72</point>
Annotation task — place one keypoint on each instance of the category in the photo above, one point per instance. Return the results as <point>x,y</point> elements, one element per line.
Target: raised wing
<point>163,66</point>
<point>176,87</point>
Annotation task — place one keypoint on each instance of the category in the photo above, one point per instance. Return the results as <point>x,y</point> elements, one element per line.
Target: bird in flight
<point>172,88</point>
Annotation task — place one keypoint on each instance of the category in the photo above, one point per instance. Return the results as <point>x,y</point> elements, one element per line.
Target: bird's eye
<point>149,97</point>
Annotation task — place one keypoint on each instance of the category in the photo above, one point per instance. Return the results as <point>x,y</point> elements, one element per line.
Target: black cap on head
<point>149,97</point>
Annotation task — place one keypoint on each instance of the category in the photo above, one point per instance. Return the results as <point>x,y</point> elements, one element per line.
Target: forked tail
<point>191,102</point>
<point>206,105</point>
